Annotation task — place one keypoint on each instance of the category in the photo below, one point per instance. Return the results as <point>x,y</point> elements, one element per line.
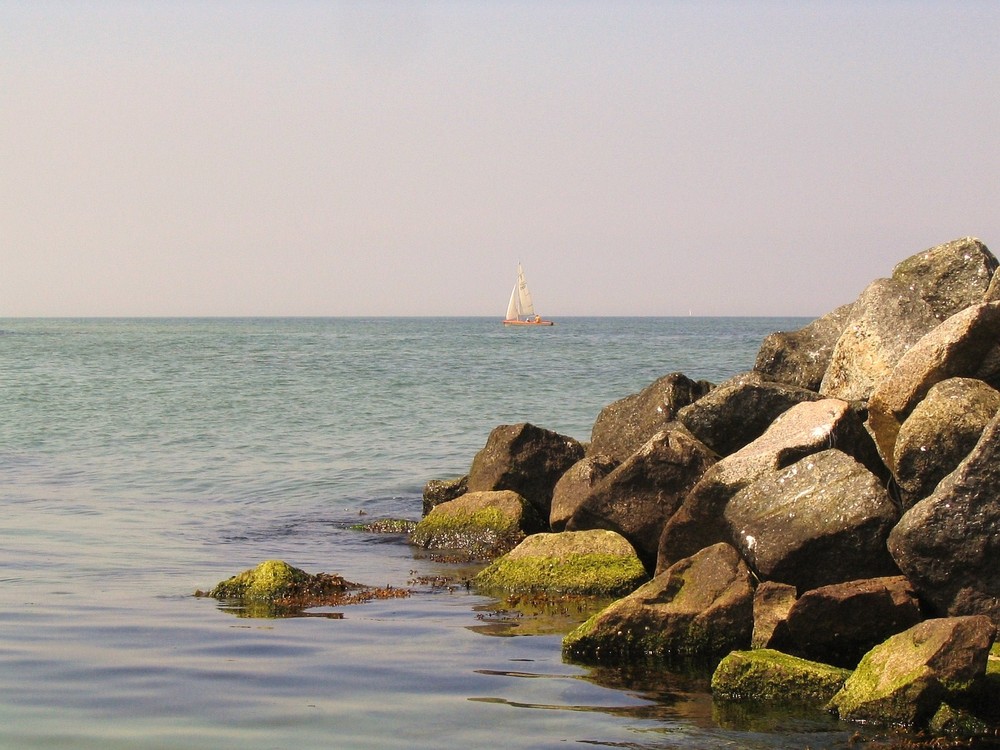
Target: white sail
<point>512,305</point>
<point>524,296</point>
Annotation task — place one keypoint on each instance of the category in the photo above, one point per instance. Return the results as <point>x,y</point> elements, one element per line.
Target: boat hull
<point>528,323</point>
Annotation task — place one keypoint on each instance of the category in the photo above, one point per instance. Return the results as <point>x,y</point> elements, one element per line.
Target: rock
<point>624,426</point>
<point>738,411</point>
<point>904,680</point>
<point>993,291</point>
<point>772,602</point>
<point>948,544</point>
<point>482,525</point>
<point>526,459</point>
<point>800,358</point>
<point>276,589</point>
<point>939,433</point>
<point>575,486</point>
<point>596,562</point>
<point>839,624</point>
<point>700,607</point>
<point>955,348</point>
<point>886,320</point>
<point>957,722</point>
<point>768,676</point>
<point>822,520</point>
<point>638,497</point>
<point>806,428</point>
<point>439,491</point>
<point>949,277</point>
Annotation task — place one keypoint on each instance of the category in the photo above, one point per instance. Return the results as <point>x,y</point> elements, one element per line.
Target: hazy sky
<point>399,158</point>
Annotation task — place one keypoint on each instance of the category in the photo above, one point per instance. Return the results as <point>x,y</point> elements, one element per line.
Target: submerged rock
<point>768,676</point>
<point>482,525</point>
<point>274,588</point>
<point>598,562</point>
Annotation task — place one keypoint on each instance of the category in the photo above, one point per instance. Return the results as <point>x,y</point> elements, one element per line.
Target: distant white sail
<point>524,296</point>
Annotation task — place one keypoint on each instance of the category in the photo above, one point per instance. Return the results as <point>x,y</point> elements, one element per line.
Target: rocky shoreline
<point>822,528</point>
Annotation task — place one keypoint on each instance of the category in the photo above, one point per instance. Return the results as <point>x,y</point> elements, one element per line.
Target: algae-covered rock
<point>276,589</point>
<point>596,562</point>
<point>700,607</point>
<point>439,491</point>
<point>768,676</point>
<point>904,680</point>
<point>482,525</point>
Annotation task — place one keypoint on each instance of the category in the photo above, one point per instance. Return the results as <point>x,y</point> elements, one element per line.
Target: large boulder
<point>955,348</point>
<point>526,459</point>
<point>638,497</point>
<point>886,320</point>
<point>948,544</point>
<point>806,428</point>
<point>739,410</point>
<point>903,681</point>
<point>949,277</point>
<point>625,425</point>
<point>597,562</point>
<point>940,432</point>
<point>700,607</point>
<point>769,676</point>
<point>839,624</point>
<point>822,520</point>
<point>479,525</point>
<point>800,358</point>
<point>575,486</point>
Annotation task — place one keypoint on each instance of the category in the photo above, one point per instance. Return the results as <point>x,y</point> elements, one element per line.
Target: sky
<point>307,158</point>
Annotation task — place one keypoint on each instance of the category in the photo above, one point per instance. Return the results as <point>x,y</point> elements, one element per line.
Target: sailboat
<point>520,310</point>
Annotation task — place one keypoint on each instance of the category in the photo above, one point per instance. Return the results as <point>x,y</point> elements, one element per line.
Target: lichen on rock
<point>767,676</point>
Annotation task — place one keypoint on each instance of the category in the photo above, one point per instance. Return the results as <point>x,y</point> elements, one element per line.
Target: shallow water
<point>141,460</point>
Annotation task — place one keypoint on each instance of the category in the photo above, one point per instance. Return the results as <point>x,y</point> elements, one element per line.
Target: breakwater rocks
<point>828,519</point>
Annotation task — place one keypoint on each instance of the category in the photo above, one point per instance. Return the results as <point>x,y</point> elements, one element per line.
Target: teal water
<point>141,460</point>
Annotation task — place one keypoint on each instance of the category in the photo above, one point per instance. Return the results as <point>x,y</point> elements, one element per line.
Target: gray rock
<point>575,486</point>
<point>885,321</point>
<point>700,607</point>
<point>949,277</point>
<point>940,432</point>
<point>738,411</point>
<point>822,520</point>
<point>439,491</point>
<point>948,544</point>
<point>800,358</point>
<point>625,425</point>
<point>638,497</point>
<point>903,681</point>
<point>839,624</point>
<point>526,459</point>
<point>806,428</point>
<point>955,348</point>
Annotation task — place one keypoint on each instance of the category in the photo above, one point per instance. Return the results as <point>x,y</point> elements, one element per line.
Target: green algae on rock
<point>483,525</point>
<point>768,676</point>
<point>596,562</point>
<point>274,589</point>
<point>386,526</point>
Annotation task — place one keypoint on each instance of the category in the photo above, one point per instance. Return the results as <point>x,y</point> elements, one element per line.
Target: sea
<point>142,460</point>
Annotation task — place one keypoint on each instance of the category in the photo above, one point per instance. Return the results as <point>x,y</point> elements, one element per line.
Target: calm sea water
<point>141,460</point>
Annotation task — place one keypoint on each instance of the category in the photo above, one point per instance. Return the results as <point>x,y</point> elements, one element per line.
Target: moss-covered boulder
<point>904,680</point>
<point>701,607</point>
<point>276,589</point>
<point>768,676</point>
<point>596,562</point>
<point>481,525</point>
